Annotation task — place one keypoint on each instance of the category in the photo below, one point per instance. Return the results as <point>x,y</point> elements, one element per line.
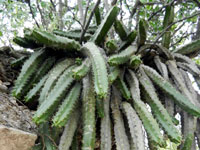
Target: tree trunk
<point>80,7</point>
<point>60,14</point>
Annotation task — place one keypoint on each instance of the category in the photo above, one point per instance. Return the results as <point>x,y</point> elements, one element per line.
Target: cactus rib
<point>105,25</point>
<point>122,87</point>
<point>187,64</point>
<point>114,73</point>
<point>178,98</point>
<point>44,68</point>
<point>168,19</point>
<point>88,98</point>
<point>129,40</point>
<point>26,42</point>
<point>99,69</point>
<point>142,35</point>
<point>27,71</point>
<point>122,57</point>
<point>135,126</point>
<point>161,67</point>
<point>106,138</point>
<point>97,16</point>
<point>67,107</point>
<point>121,30</point>
<point>189,48</point>
<point>81,71</point>
<point>55,41</point>
<point>121,138</point>
<point>183,58</point>
<point>35,90</point>
<point>48,106</point>
<point>54,73</point>
<point>180,82</point>
<point>68,133</point>
<point>150,124</point>
<point>158,109</point>
<point>193,69</point>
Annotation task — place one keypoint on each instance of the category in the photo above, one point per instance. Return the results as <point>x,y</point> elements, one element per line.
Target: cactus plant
<point>118,86</point>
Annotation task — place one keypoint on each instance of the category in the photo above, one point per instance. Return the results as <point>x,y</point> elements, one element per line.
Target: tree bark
<point>106,5</point>
<point>80,7</point>
<point>61,13</point>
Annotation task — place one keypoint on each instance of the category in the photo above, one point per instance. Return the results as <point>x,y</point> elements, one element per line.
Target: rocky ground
<point>17,131</point>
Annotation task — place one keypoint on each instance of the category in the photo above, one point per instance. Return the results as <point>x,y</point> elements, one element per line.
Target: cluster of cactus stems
<point>77,85</point>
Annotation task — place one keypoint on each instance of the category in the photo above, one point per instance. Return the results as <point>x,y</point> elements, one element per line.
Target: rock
<point>14,139</point>
<point>17,130</point>
<point>3,88</point>
<point>15,116</point>
<point>6,83</point>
